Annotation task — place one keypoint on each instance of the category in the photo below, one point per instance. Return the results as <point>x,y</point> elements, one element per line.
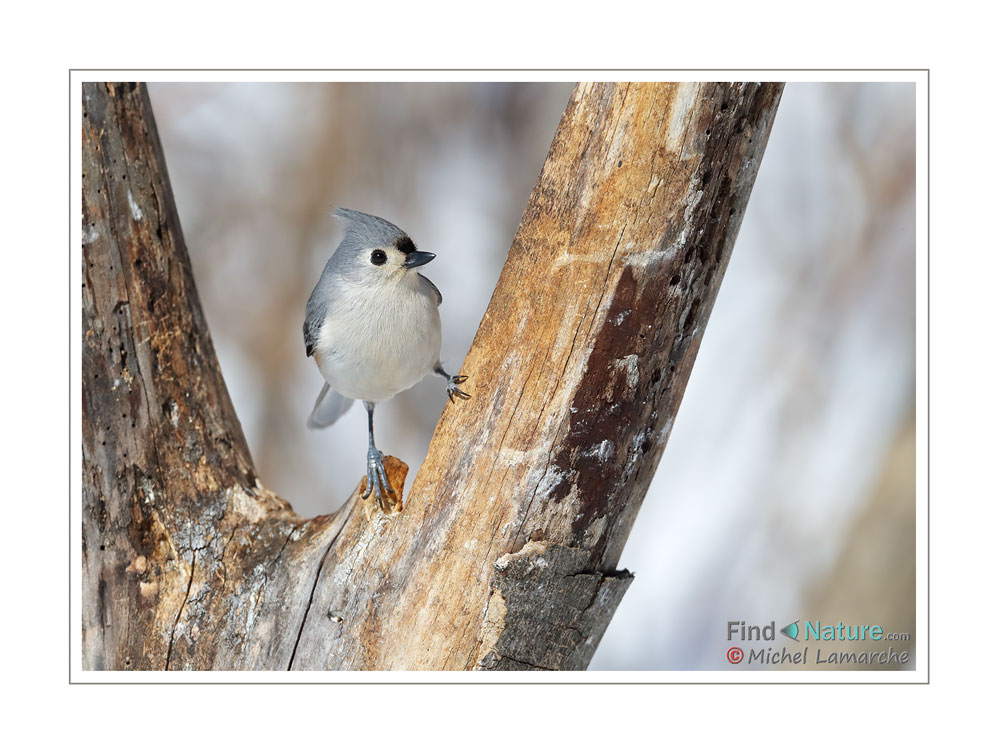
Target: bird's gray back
<point>431,290</point>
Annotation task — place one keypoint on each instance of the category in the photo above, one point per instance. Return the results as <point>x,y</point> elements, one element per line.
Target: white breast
<point>374,344</point>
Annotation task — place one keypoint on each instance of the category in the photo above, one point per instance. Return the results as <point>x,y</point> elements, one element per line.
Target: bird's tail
<point>330,406</point>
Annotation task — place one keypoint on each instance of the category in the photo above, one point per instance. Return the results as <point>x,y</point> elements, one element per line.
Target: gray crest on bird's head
<point>367,231</point>
<point>373,251</point>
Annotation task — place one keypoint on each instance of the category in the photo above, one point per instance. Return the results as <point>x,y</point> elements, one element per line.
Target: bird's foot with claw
<point>453,390</point>
<point>377,481</point>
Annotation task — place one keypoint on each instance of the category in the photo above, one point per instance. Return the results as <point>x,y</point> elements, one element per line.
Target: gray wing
<point>330,406</point>
<point>431,288</point>
<point>315,313</point>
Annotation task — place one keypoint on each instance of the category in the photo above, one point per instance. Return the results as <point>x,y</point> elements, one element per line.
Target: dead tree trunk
<point>505,554</point>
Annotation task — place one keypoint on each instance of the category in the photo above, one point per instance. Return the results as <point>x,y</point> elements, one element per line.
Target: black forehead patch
<point>405,245</point>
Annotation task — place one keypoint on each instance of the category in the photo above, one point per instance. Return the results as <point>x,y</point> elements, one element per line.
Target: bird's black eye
<point>378,257</point>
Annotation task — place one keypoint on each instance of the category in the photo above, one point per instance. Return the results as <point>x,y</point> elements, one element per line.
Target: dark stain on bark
<point>617,431</point>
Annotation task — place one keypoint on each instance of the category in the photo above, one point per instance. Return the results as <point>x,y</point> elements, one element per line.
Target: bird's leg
<point>452,383</point>
<point>377,479</point>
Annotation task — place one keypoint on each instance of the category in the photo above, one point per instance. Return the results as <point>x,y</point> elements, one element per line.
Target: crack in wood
<point>312,592</point>
<point>176,621</point>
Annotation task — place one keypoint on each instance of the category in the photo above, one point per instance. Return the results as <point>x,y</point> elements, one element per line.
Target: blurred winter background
<point>787,490</point>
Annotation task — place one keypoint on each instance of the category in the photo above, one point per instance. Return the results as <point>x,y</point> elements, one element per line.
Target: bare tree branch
<point>505,555</point>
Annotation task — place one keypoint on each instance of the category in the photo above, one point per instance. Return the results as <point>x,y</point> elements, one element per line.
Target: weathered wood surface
<point>505,555</point>
<point>187,561</point>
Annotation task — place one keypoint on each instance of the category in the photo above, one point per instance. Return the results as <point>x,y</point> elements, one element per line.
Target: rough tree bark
<point>505,554</point>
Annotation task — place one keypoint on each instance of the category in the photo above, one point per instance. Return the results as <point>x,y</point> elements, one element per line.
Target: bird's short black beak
<point>418,258</point>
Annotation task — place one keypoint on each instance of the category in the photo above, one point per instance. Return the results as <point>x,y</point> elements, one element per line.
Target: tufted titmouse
<point>373,328</point>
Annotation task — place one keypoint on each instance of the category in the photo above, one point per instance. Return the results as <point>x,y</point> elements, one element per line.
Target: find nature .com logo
<point>816,631</point>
